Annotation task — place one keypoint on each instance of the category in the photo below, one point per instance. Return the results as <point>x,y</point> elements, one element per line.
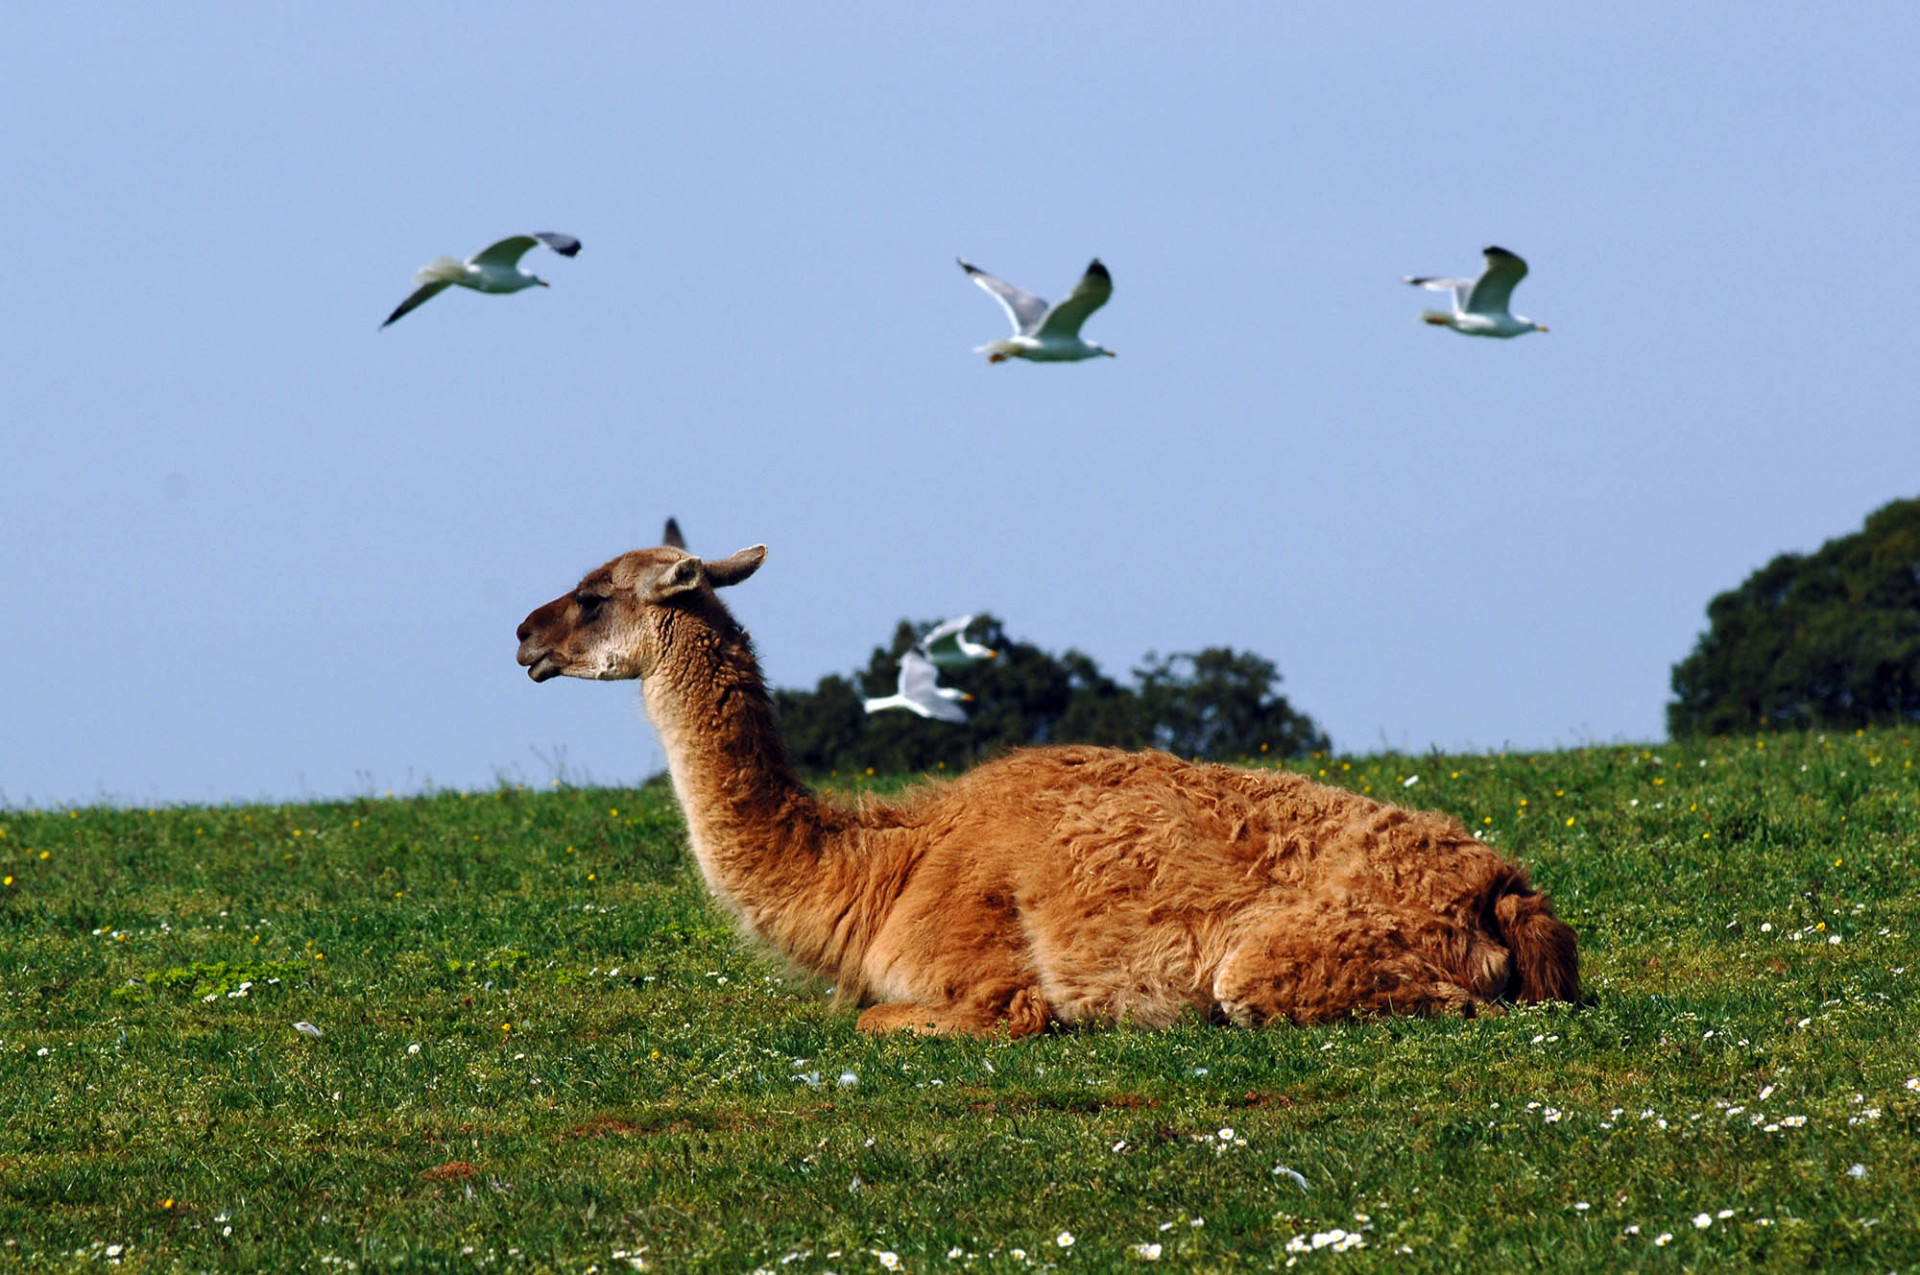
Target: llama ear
<point>683,576</point>
<point>737,568</point>
<point>672,537</point>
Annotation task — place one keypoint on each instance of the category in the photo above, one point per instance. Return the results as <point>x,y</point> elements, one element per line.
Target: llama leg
<point>1319,965</point>
<point>1007,1010</point>
<point>953,958</point>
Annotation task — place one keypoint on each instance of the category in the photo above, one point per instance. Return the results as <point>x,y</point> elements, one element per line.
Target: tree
<point>827,722</point>
<point>1827,639</point>
<point>1100,710</point>
<point>1219,703</point>
<point>1215,703</point>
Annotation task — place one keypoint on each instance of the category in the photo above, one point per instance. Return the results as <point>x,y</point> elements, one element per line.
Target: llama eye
<point>589,603</point>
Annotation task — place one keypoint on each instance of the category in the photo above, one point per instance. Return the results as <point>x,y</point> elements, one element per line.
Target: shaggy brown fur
<point>1072,885</point>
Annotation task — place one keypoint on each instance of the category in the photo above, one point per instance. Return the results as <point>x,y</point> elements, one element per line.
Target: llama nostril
<point>523,631</point>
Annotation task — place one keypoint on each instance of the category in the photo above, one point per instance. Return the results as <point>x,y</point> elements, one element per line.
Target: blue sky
<point>252,547</point>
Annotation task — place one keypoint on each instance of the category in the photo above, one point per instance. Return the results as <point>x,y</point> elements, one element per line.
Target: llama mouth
<point>544,667</point>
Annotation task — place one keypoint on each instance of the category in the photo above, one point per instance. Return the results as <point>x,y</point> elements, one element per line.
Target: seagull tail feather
<point>441,270</point>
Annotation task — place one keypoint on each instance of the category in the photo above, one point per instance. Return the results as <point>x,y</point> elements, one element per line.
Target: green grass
<point>603,1070</point>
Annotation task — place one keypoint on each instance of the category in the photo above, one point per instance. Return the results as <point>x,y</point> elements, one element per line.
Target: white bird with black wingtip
<point>494,269</point>
<point>1045,333</point>
<point>1480,305</point>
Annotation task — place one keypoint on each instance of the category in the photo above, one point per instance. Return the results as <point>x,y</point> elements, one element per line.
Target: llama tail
<point>1546,954</point>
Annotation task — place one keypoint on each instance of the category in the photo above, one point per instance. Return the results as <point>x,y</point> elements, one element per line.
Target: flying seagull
<point>1480,305</point>
<point>1044,333</point>
<point>947,646</point>
<point>495,268</point>
<point>920,692</point>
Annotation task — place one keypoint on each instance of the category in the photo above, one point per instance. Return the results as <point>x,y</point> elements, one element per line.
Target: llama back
<point>1162,834</point>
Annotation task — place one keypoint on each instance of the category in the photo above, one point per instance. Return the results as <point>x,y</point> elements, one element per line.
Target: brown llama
<point>1067,884</point>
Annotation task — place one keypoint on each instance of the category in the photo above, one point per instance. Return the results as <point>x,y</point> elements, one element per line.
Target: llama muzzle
<point>538,661</point>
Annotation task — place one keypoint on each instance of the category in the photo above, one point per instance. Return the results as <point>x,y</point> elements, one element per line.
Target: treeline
<point>1828,639</point>
<point>1217,703</point>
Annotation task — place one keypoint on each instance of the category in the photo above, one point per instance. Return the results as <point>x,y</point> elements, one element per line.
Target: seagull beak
<point>543,283</point>
<point>1110,354</point>
<point>968,697</point>
<point>1539,327</point>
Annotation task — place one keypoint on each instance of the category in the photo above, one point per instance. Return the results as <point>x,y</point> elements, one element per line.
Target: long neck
<point>792,868</point>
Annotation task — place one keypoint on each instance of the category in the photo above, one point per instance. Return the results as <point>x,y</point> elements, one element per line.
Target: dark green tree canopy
<point>1824,639</point>
<point>1217,703</point>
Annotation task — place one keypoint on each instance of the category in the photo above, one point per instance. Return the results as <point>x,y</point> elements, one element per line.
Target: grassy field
<point>540,1048</point>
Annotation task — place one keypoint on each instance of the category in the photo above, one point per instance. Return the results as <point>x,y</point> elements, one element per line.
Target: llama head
<point>619,621</point>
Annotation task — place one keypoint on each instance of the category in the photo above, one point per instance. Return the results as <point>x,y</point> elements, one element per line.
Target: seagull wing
<point>1025,309</point>
<point>565,245</point>
<point>1064,320</point>
<point>918,677</point>
<point>920,686</point>
<point>944,630</point>
<point>946,645</point>
<point>1493,290</point>
<point>946,711</point>
<point>1458,287</point>
<point>506,253</point>
<point>421,295</point>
